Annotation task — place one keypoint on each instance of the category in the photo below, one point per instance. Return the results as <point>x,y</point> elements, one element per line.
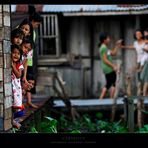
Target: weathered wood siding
<point>78,43</point>
<point>130,55</point>
<point>78,39</point>
<point>82,38</point>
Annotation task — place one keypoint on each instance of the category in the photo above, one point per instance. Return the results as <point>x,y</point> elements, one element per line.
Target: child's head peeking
<point>27,45</point>
<point>17,36</point>
<point>15,53</point>
<point>26,27</point>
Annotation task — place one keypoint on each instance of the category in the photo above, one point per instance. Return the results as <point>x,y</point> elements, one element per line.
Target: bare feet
<point>16,124</point>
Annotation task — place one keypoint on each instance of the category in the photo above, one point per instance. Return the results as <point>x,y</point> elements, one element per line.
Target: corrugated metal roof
<point>89,8</point>
<point>75,8</point>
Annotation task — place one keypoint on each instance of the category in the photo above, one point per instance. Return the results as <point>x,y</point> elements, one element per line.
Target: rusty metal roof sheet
<point>83,8</point>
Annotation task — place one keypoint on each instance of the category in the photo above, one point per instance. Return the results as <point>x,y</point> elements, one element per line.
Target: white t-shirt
<point>139,50</point>
<point>27,56</point>
<point>24,57</point>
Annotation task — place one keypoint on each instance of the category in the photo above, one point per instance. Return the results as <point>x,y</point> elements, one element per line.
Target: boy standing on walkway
<point>107,65</point>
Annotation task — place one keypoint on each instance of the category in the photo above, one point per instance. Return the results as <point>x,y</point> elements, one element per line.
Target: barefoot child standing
<point>107,65</point>
<point>17,68</point>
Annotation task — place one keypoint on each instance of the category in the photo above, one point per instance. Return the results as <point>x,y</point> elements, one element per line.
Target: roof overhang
<point>106,13</point>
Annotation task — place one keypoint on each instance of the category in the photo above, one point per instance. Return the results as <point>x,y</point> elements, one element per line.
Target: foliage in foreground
<point>85,124</point>
<point>144,129</point>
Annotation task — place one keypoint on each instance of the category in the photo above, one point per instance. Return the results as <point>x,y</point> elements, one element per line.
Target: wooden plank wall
<point>79,42</point>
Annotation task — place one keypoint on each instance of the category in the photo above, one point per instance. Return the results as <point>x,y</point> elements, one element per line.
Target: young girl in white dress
<point>17,68</point>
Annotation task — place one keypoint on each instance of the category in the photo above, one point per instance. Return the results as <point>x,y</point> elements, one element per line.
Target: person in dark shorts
<point>107,65</point>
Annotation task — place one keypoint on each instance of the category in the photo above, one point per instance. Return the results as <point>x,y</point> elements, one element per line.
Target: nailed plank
<point>37,100</point>
<point>93,102</point>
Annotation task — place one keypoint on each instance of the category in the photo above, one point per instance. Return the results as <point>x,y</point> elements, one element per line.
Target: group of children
<point>23,81</point>
<point>110,69</point>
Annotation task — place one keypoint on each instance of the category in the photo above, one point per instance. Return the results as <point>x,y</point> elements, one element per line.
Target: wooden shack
<point>69,37</point>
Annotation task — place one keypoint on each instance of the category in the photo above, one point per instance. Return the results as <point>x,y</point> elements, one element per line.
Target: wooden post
<point>125,109</point>
<point>130,121</point>
<point>140,107</point>
<point>130,114</point>
<point>116,94</point>
<point>128,85</point>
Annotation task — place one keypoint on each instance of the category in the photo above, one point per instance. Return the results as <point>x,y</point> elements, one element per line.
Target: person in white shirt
<point>144,72</point>
<point>138,45</point>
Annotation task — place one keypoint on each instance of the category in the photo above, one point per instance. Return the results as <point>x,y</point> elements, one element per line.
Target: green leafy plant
<point>63,122</point>
<point>49,126</point>
<point>80,125</point>
<point>144,129</point>
<point>33,130</point>
<point>89,124</point>
<point>115,127</point>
